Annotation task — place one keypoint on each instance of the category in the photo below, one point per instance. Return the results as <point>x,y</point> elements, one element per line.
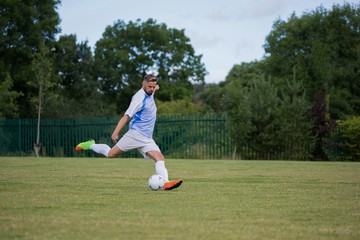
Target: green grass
<point>98,198</point>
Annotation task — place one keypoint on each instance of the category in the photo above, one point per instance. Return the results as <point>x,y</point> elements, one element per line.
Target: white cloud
<point>222,14</point>
<point>204,41</point>
<point>264,8</point>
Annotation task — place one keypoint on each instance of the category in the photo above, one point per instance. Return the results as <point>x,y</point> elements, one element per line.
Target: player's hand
<point>114,138</point>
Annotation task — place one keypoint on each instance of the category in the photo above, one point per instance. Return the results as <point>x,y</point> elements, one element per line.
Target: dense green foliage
<point>8,106</point>
<point>24,25</point>
<point>78,92</point>
<point>262,116</point>
<point>127,51</point>
<point>323,125</point>
<point>88,84</point>
<point>324,47</point>
<point>183,107</point>
<point>41,69</point>
<point>350,133</point>
<point>308,77</point>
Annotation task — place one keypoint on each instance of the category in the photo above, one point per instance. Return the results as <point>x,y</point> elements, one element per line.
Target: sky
<point>224,32</point>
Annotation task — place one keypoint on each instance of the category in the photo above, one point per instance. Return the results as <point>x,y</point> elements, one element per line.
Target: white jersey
<point>142,110</point>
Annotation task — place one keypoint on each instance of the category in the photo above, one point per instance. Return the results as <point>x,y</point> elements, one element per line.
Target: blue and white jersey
<point>142,110</point>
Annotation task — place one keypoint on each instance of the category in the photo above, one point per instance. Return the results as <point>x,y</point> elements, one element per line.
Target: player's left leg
<point>170,185</point>
<point>161,170</point>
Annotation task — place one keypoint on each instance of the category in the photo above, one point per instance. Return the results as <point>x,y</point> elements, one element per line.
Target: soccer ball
<point>156,182</point>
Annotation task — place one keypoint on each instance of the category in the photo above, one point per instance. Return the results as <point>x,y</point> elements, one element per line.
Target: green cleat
<point>84,145</point>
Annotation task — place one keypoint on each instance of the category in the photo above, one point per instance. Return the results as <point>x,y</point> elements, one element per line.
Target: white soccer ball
<point>156,182</point>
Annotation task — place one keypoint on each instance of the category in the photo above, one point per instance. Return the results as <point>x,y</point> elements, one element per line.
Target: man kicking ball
<point>142,110</point>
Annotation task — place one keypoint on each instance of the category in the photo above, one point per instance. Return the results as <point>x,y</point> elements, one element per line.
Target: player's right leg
<point>114,152</point>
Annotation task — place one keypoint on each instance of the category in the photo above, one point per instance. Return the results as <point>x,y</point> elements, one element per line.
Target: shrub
<point>350,132</point>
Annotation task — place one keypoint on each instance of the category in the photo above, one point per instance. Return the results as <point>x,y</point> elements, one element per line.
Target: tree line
<point>307,84</point>
<point>308,78</point>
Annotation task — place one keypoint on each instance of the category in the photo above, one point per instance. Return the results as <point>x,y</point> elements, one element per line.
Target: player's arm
<point>135,106</point>
<point>119,126</point>
<point>157,87</point>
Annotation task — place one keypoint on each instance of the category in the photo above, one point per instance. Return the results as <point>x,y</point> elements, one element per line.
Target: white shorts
<point>135,140</point>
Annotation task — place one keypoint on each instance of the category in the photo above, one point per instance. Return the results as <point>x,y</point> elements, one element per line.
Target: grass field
<point>98,198</point>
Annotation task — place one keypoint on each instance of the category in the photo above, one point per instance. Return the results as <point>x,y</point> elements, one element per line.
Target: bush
<point>182,107</point>
<point>350,132</point>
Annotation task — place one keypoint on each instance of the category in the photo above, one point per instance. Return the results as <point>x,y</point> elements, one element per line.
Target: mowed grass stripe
<point>98,198</point>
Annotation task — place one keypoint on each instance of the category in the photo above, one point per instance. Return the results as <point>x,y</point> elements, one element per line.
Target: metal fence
<point>182,136</point>
<point>193,136</point>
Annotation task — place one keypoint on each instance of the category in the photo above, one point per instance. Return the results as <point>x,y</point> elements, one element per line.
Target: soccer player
<point>142,110</point>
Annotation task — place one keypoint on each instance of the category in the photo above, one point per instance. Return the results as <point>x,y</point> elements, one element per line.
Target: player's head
<point>150,78</point>
<point>149,83</point>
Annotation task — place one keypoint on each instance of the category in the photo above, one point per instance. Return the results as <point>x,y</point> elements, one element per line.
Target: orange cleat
<point>172,184</point>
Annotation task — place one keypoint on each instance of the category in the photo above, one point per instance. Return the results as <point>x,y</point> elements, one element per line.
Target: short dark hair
<point>150,78</point>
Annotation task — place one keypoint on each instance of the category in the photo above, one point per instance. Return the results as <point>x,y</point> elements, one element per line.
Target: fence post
<point>19,130</point>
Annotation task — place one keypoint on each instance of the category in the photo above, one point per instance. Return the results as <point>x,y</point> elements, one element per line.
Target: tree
<point>247,73</point>
<point>77,94</point>
<point>236,105</point>
<point>325,49</point>
<point>254,116</point>
<point>24,26</point>
<point>265,117</point>
<point>295,124</point>
<point>42,68</point>
<point>234,96</point>
<point>211,95</point>
<point>8,106</point>
<point>263,114</point>
<point>244,74</point>
<point>127,52</point>
<point>323,125</point>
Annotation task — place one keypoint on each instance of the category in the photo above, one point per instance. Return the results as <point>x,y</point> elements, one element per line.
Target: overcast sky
<point>225,32</point>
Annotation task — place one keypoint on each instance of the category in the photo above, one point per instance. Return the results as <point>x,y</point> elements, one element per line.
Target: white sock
<point>101,148</point>
<point>161,170</point>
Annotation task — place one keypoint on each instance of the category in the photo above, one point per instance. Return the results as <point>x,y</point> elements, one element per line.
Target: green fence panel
<point>178,136</point>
